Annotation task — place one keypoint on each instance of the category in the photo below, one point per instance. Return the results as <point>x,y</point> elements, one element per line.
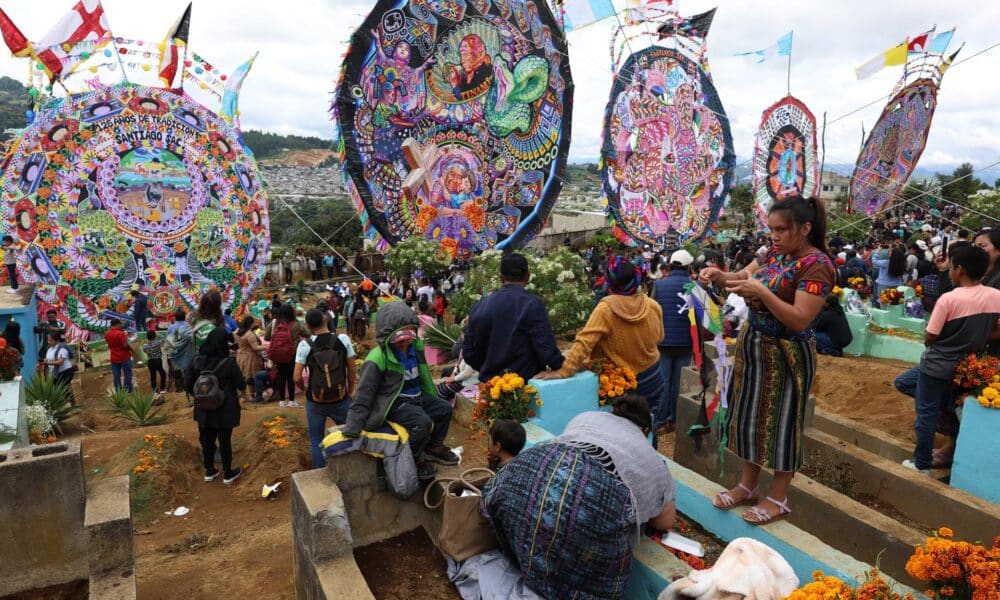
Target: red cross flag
<point>85,22</point>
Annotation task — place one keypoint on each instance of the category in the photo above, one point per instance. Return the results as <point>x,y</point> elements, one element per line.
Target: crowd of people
<point>780,307</point>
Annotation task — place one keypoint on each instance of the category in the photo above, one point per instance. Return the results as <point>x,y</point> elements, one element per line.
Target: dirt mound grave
<point>272,449</point>
<point>162,469</point>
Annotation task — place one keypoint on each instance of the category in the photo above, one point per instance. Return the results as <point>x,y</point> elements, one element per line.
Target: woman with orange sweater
<point>625,328</point>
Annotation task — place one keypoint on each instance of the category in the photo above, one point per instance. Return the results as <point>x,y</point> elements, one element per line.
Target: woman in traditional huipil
<point>775,354</point>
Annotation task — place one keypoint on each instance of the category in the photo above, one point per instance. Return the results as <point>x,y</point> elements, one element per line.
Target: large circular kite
<point>893,147</point>
<point>784,159</point>
<point>133,187</point>
<point>455,120</point>
<point>668,152</point>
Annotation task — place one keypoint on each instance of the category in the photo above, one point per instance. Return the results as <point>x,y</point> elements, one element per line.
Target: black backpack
<point>208,391</point>
<point>327,362</point>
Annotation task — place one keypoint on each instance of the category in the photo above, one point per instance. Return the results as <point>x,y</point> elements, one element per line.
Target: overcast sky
<point>301,43</point>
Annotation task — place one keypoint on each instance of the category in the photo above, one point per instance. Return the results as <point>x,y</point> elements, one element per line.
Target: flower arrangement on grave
<point>890,297</point>
<point>824,587</point>
<point>978,376</point>
<point>505,396</point>
<point>10,364</point>
<point>860,285</point>
<point>613,381</point>
<point>954,569</point>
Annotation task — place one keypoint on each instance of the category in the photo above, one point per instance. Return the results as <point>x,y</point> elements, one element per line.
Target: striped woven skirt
<point>652,385</point>
<point>568,522</point>
<point>770,384</point>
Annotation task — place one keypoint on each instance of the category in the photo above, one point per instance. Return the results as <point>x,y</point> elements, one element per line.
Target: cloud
<point>301,45</point>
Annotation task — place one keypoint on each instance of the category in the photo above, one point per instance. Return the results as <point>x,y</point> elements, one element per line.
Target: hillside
<point>14,101</point>
<point>273,145</point>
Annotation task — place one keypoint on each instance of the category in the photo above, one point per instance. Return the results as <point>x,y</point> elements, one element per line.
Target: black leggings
<point>285,380</point>
<point>155,366</point>
<point>208,436</point>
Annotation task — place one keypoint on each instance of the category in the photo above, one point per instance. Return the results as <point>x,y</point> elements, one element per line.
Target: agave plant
<point>138,407</point>
<point>443,337</point>
<point>55,397</point>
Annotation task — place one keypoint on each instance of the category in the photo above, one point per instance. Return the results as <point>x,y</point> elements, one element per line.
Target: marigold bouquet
<point>505,396</point>
<point>954,569</point>
<point>828,587</point>
<point>860,285</point>
<point>613,381</point>
<point>979,376</point>
<point>891,296</point>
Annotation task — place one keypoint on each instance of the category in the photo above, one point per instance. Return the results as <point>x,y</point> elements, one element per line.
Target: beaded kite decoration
<point>454,121</point>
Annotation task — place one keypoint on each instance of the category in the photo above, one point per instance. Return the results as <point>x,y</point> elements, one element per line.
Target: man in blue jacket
<point>509,330</point>
<point>676,347</point>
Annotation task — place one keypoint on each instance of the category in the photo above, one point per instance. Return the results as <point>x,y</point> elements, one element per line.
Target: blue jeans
<point>932,392</point>
<point>316,416</point>
<point>261,379</point>
<point>823,342</point>
<point>906,383</point>
<point>671,367</point>
<point>124,368</point>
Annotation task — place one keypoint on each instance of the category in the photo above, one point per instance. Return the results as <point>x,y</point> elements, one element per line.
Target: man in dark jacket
<point>676,347</point>
<point>509,330</point>
<point>396,385</point>
<point>831,328</point>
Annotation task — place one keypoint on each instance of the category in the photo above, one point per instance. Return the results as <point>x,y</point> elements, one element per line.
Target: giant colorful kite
<point>784,158</point>
<point>667,149</point>
<point>130,187</point>
<point>454,117</point>
<point>893,147</point>
<point>890,154</point>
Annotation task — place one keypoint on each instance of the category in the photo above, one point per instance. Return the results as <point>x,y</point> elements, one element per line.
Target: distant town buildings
<point>832,185</point>
<point>298,183</point>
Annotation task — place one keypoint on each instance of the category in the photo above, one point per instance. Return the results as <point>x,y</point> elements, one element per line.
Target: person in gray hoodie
<point>396,385</point>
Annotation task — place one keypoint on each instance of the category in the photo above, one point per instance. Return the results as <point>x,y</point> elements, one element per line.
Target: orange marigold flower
<point>945,532</point>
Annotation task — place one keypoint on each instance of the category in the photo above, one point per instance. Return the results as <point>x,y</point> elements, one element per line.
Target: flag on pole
<point>641,10</point>
<point>893,56</point>
<point>783,47</point>
<point>939,45</point>
<point>694,26</point>
<point>12,36</point>
<point>231,94</point>
<point>85,22</point>
<point>947,62</point>
<point>580,13</point>
<point>171,47</point>
<point>918,43</point>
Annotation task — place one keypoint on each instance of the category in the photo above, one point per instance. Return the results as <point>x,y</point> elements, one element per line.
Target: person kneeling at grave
<point>608,480</point>
<point>395,385</point>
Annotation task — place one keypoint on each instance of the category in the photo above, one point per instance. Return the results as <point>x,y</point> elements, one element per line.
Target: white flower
<point>565,276</point>
<point>39,419</point>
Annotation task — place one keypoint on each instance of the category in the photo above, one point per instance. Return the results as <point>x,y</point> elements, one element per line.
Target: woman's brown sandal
<point>759,516</point>
<point>725,500</point>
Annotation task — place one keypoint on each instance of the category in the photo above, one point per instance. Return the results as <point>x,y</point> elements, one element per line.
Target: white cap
<point>926,228</point>
<point>935,240</point>
<point>842,255</point>
<point>849,247</point>
<point>922,244</point>
<point>681,257</point>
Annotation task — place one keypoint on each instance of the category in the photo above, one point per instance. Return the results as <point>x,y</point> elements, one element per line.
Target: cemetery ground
<point>234,542</point>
